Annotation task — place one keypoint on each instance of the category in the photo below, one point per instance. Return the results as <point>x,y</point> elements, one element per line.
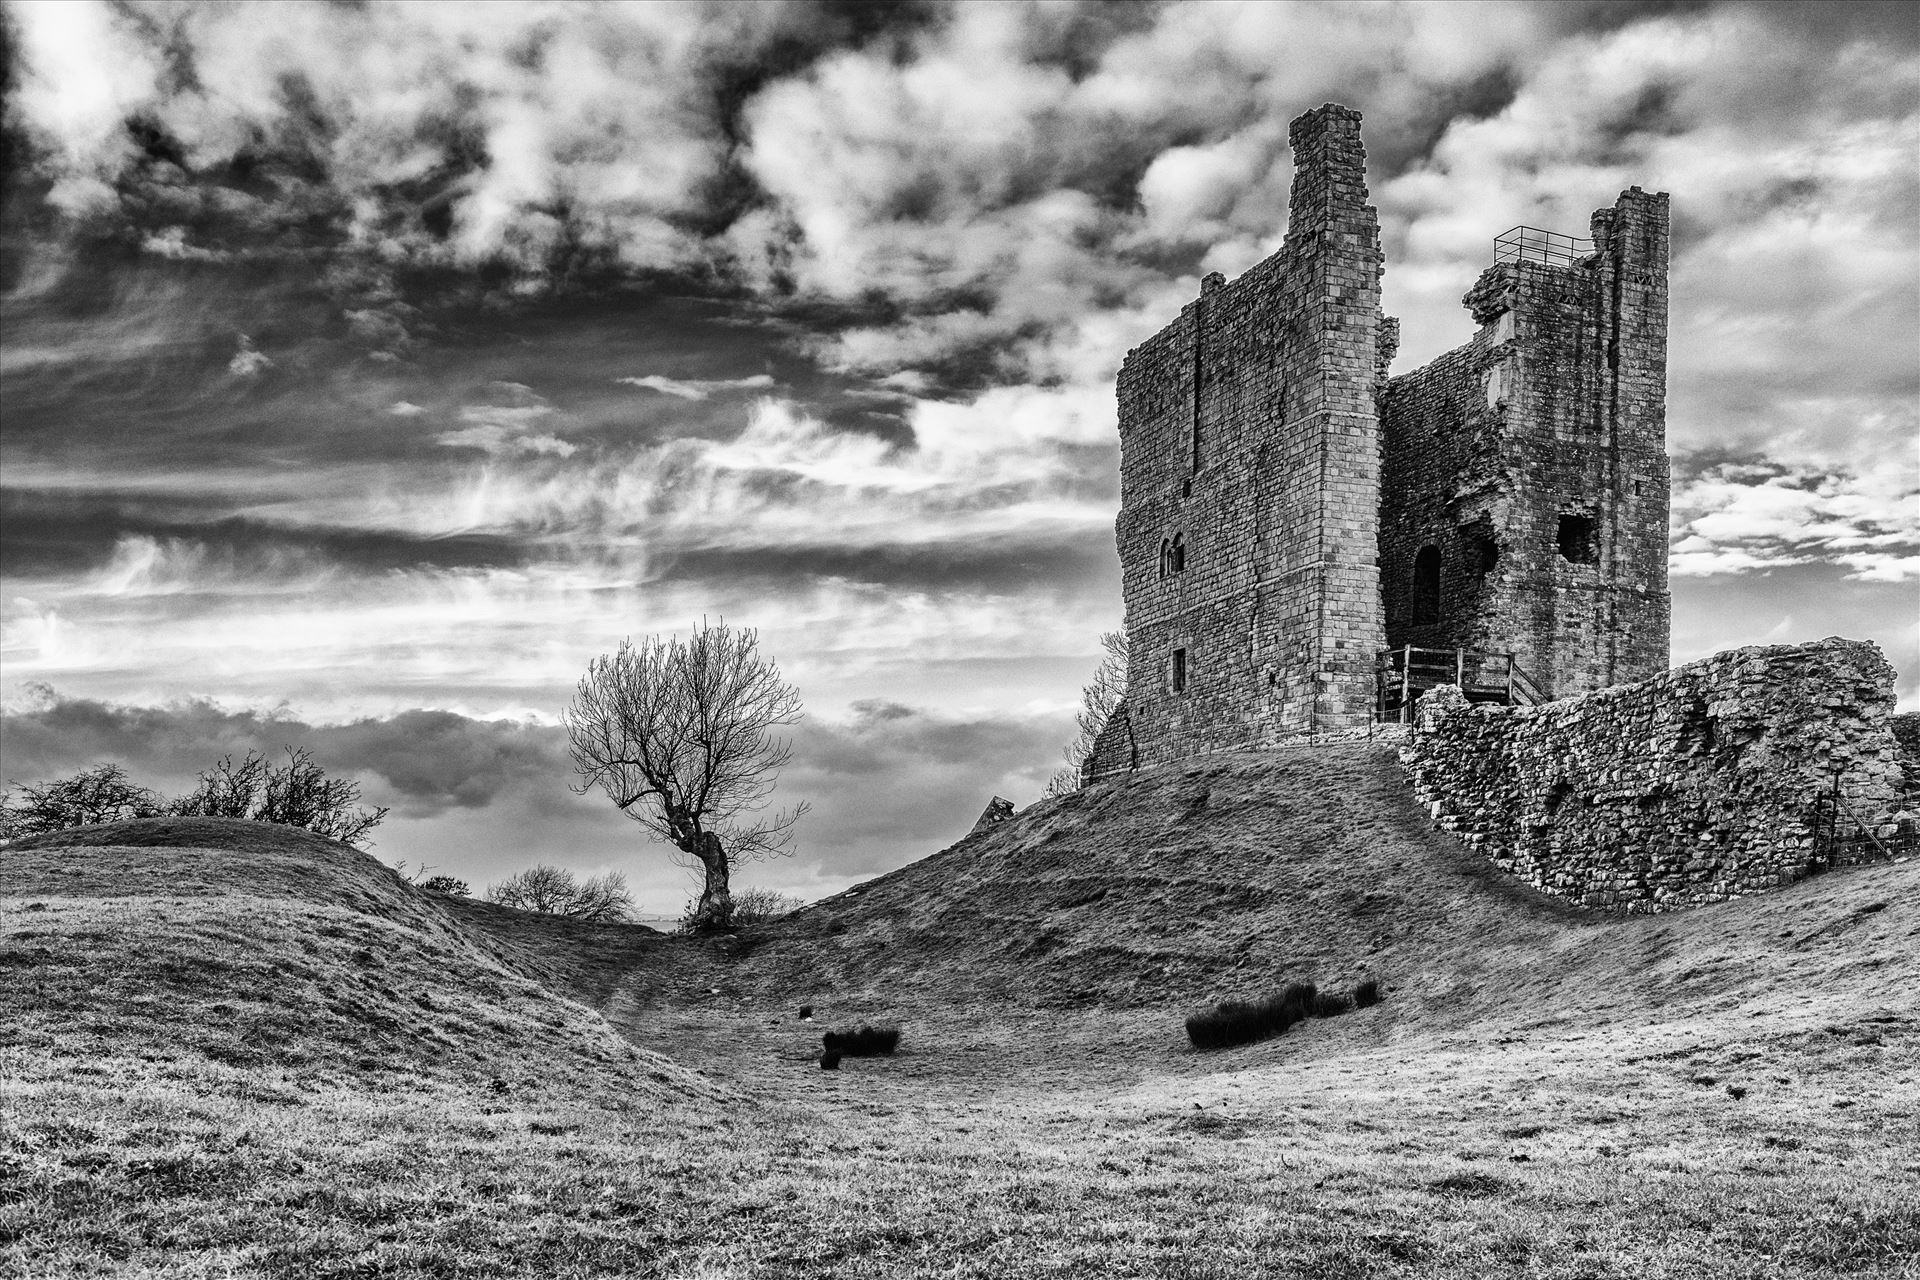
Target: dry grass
<point>202,1073</point>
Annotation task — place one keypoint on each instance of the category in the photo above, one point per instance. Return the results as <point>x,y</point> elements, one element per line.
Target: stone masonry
<point>1525,474</point>
<point>1710,781</point>
<point>1278,493</point>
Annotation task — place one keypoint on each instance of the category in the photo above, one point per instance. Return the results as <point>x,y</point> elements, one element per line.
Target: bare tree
<point>680,735</point>
<point>1097,701</point>
<point>555,891</point>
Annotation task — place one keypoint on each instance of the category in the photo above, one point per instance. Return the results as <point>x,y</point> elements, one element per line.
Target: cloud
<point>507,428</point>
<point>698,389</point>
<point>248,362</point>
<point>1732,517</point>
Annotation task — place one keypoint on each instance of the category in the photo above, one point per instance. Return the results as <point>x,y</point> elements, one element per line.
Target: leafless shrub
<point>1098,698</point>
<point>555,891</point>
<point>295,794</point>
<point>755,904</point>
<point>103,793</point>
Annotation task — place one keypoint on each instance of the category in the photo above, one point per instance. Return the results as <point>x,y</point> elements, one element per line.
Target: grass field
<point>235,1050</point>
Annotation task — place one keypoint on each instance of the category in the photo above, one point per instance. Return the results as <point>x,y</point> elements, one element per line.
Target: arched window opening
<point>1178,561</point>
<point>1166,556</point>
<point>1426,586</point>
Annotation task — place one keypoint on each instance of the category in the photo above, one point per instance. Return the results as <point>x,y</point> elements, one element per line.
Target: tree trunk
<point>715,911</point>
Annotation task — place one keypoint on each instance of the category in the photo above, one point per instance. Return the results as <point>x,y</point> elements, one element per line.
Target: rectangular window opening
<point>1179,670</point>
<point>1579,541</point>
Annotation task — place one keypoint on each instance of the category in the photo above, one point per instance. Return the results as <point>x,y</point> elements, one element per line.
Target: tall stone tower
<point>1525,480</point>
<point>1286,512</point>
<point>1249,484</point>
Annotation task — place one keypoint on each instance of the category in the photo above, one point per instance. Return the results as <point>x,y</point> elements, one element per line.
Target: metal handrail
<point>1537,244</point>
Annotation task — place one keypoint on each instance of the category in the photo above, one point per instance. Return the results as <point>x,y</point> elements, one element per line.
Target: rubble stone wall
<point>1707,782</point>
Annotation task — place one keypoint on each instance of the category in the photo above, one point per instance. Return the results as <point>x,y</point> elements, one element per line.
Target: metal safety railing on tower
<point>1402,675</point>
<point>1537,244</point>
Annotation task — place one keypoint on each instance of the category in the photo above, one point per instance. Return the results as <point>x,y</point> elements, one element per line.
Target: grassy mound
<point>198,941</point>
<point>1185,885</point>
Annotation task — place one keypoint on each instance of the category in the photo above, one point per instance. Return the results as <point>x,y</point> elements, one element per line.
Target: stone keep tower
<point>1525,474</point>
<point>1286,513</point>
<point>1250,484</point>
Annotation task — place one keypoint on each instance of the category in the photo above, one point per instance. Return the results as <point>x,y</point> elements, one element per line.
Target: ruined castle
<point>1297,529</point>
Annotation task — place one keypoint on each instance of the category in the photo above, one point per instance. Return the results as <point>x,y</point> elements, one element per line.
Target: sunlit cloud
<point>698,389</point>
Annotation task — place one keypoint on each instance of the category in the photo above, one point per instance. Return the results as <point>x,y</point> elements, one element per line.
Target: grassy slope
<point>203,1070</point>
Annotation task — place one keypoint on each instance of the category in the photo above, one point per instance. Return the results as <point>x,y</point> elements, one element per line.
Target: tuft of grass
<point>1237,1022</point>
<point>867,1042</point>
<point>830,1060</point>
<point>1331,1004</point>
<point>1367,994</point>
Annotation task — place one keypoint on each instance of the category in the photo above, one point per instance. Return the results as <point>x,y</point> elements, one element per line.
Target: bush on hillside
<point>1236,1022</point>
<point>1331,1004</point>
<point>1244,1022</point>
<point>754,904</point>
<point>103,793</point>
<point>555,891</point>
<point>867,1042</point>
<point>295,794</point>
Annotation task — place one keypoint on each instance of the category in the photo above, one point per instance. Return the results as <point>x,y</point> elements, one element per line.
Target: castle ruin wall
<point>1525,477</point>
<point>1250,484</point>
<point>1709,781</point>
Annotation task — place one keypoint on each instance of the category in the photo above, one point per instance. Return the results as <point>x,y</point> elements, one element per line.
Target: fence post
<point>1406,685</point>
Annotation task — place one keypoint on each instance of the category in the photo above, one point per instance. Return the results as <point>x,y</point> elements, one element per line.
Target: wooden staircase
<point>1402,675</point>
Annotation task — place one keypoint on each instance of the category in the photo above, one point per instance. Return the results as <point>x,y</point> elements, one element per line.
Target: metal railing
<point>1402,675</point>
<point>1842,837</point>
<point>1536,244</point>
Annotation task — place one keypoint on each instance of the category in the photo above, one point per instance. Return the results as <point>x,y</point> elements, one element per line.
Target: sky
<point>367,369</point>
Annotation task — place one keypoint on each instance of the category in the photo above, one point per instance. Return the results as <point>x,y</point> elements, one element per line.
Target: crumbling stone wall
<point>1703,783</point>
<point>1525,478</point>
<point>1249,479</point>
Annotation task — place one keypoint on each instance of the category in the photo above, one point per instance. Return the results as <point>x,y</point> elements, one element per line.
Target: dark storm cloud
<point>422,762</point>
<point>1080,560</point>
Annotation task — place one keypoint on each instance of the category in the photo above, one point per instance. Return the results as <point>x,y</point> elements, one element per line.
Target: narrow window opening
<point>1482,551</point>
<point>1578,543</point>
<point>1178,555</point>
<point>1179,670</point>
<point>1166,556</point>
<point>1426,586</point>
